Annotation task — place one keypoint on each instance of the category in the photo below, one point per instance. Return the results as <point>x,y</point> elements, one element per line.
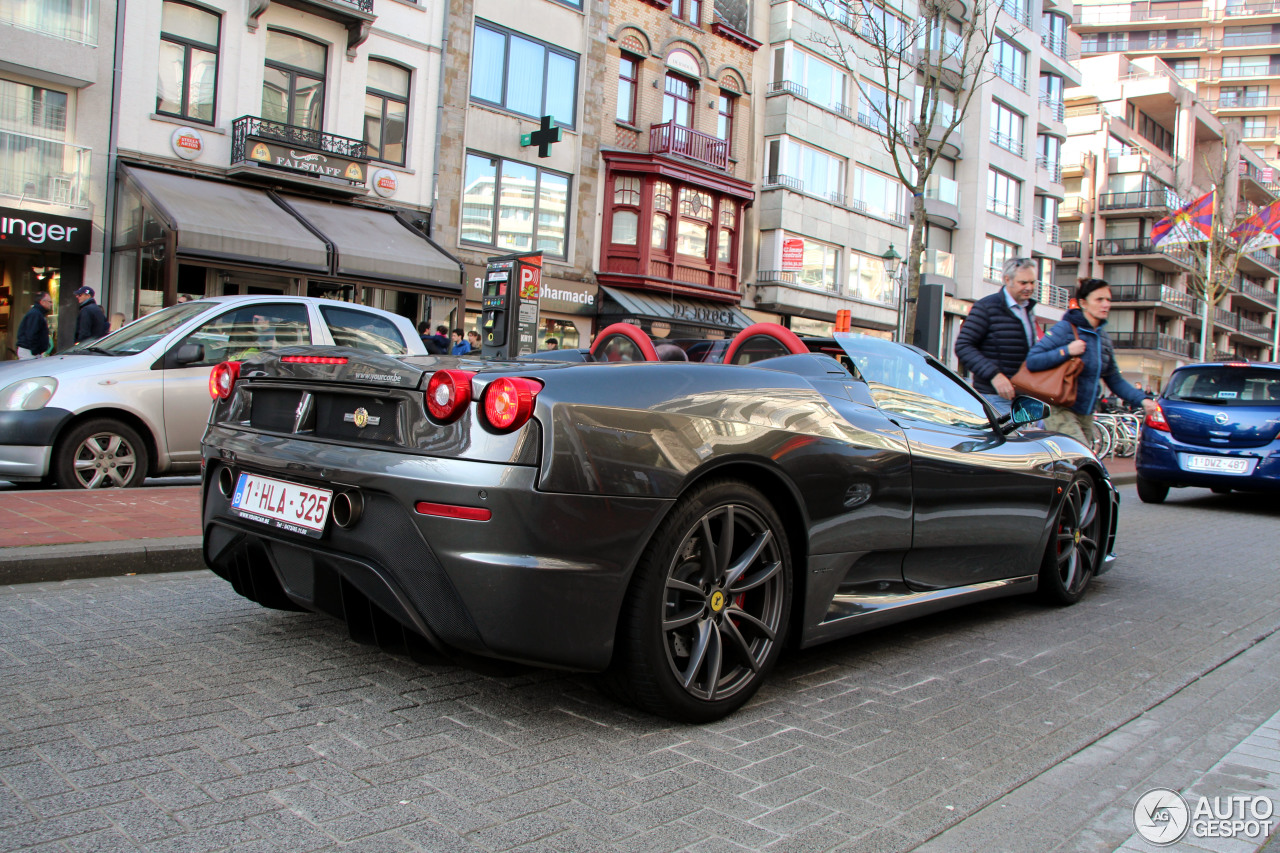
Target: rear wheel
<point>100,454</point>
<point>1075,546</point>
<point>707,610</point>
<point>1151,492</point>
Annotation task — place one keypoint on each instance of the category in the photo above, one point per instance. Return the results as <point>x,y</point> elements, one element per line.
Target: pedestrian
<point>550,344</point>
<point>1000,329</point>
<point>461,346</point>
<point>117,321</point>
<point>182,297</point>
<point>473,338</point>
<point>1098,354</point>
<point>92,323</point>
<point>33,331</point>
<point>430,341</point>
<point>442,338</point>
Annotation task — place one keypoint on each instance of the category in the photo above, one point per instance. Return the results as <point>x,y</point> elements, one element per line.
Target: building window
<point>524,76</point>
<point>626,211</point>
<point>1156,133</point>
<point>724,119</point>
<point>1246,66</point>
<point>188,81</point>
<point>877,26</point>
<point>42,111</point>
<point>1255,127</point>
<point>1007,128</point>
<point>695,222</point>
<point>293,80</point>
<point>1187,69</point>
<point>806,169</point>
<point>820,267</point>
<point>628,85</point>
<point>877,194</point>
<point>998,253</point>
<point>678,99</point>
<point>511,205</point>
<point>661,214</point>
<point>1004,195</point>
<point>727,246</point>
<point>1051,88</point>
<point>386,111</point>
<point>810,77</point>
<point>869,281</point>
<point>1010,63</point>
<point>687,10</point>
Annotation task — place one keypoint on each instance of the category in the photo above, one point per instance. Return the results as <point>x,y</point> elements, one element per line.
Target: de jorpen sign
<point>28,229</point>
<point>301,160</point>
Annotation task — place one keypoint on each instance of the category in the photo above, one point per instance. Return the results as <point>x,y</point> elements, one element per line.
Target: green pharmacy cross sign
<point>547,134</point>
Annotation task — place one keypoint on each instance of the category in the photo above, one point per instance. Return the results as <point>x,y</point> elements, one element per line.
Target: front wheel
<point>1075,545</point>
<point>100,454</point>
<point>706,614</point>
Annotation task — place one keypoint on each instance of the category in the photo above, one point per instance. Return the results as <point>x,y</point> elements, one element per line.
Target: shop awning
<point>376,244</point>
<point>676,309</point>
<point>217,220</point>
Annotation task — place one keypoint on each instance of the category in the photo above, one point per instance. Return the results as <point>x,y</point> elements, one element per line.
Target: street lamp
<point>891,262</point>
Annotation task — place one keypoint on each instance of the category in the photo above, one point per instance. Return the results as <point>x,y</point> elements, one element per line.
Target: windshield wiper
<point>99,350</point>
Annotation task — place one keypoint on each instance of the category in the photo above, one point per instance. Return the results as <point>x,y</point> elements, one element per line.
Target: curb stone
<point>45,563</point>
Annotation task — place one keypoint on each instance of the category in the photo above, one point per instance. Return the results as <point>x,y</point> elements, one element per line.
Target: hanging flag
<point>1188,224</point>
<point>1260,230</point>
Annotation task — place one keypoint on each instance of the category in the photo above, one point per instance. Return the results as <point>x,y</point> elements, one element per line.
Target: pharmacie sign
<point>28,229</point>
<point>302,160</point>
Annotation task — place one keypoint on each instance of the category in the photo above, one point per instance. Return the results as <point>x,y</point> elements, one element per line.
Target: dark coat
<point>92,323</point>
<point>33,332</point>
<point>992,340</point>
<point>1099,361</point>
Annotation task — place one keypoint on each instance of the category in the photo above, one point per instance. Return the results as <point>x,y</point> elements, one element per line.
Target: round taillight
<point>448,394</point>
<point>508,402</point>
<point>223,379</point>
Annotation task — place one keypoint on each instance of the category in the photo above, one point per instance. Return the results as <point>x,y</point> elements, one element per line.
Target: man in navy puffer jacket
<point>1000,328</point>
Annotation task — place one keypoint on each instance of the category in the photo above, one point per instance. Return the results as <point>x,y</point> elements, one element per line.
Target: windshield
<point>141,334</point>
<point>1228,385</point>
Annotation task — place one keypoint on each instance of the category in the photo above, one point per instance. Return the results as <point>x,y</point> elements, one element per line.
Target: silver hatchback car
<point>135,403</point>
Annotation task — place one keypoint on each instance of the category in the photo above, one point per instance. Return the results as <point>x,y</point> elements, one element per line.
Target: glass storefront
<point>23,277</point>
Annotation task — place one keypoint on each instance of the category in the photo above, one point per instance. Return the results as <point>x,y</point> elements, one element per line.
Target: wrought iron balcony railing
<point>289,134</point>
<point>1008,143</point>
<point>1007,209</point>
<point>40,169</point>
<point>1052,295</point>
<point>672,138</point>
<point>786,181</point>
<point>1053,108</point>
<point>1160,294</point>
<point>1047,229</point>
<point>1266,260</point>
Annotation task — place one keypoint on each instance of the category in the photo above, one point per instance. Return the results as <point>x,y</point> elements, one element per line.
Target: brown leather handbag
<point>1056,386</point>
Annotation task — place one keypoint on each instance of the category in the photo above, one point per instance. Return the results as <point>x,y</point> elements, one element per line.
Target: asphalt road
<point>163,712</point>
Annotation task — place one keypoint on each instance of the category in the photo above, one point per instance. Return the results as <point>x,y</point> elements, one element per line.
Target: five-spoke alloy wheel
<point>1075,545</point>
<point>708,608</point>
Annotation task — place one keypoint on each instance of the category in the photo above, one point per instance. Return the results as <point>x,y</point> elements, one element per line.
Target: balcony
<point>299,153</point>
<point>356,15</point>
<point>1051,109</point>
<point>938,262</point>
<point>1070,249</point>
<point>1052,168</point>
<point>942,201</point>
<point>1007,209</point>
<point>1011,76</point>
<point>681,141</point>
<point>1153,341</point>
<point>1262,7</point>
<point>1157,294</point>
<point>1160,200</point>
<point>34,168</point>
<point>1052,295</point>
<point>790,87</point>
<point>1256,131</point>
<point>1008,143</point>
<point>1172,260</point>
<point>1249,40</point>
<point>1223,317</point>
<point>1255,329</point>
<point>1245,102</point>
<point>1252,291</point>
<point>69,20</point>
<point>1046,229</point>
<point>1132,14</point>
<point>1264,259</point>
<point>1017,10</point>
<point>797,185</point>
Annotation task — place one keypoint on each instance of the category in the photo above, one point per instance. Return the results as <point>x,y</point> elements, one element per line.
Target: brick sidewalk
<point>109,515</point>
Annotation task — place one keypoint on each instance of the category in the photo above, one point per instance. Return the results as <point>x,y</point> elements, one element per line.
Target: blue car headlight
<point>28,394</point>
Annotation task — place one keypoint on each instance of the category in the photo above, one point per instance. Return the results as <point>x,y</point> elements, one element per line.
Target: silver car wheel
<point>104,460</point>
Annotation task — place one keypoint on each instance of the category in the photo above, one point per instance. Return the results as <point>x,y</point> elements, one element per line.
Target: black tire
<point>1151,492</point>
<point>703,624</point>
<point>1075,545</point>
<point>1220,490</point>
<point>100,454</point>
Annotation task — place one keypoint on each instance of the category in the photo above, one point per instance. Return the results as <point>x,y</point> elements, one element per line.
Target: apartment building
<point>1228,50</point>
<point>1140,145</point>
<point>55,120</point>
<point>510,64</point>
<point>279,148</point>
<point>679,166</point>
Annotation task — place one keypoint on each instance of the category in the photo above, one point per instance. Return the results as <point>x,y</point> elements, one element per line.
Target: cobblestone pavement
<point>163,712</point>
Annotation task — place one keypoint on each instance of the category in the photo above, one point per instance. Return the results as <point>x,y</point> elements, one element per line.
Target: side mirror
<point>189,354</point>
<point>1024,410</point>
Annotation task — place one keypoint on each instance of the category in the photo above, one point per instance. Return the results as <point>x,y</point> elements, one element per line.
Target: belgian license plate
<point>284,505</point>
<point>1217,464</point>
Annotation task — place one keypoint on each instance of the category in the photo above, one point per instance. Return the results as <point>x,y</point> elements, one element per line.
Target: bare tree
<point>928,74</point>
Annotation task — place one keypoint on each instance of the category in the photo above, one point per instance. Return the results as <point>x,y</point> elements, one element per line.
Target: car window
<point>247,330</point>
<point>1226,386</point>
<point>137,336</point>
<point>357,329</point>
<point>905,383</point>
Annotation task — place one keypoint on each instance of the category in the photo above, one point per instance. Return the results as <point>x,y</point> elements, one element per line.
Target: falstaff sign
<point>301,160</point>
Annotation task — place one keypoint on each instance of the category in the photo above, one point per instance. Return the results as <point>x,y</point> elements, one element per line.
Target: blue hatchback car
<point>1217,427</point>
